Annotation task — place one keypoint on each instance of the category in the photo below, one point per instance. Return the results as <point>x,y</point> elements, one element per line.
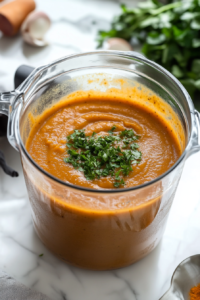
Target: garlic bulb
<point>34,28</point>
<point>118,44</point>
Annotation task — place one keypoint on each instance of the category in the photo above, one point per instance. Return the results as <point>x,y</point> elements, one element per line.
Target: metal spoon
<point>186,275</point>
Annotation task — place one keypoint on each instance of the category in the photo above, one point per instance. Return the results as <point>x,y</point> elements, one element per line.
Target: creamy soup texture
<point>103,230</point>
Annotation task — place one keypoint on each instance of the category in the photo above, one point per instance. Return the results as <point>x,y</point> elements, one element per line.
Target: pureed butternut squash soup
<point>104,140</point>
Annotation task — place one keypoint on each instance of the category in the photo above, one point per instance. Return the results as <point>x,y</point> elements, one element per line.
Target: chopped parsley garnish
<point>111,155</point>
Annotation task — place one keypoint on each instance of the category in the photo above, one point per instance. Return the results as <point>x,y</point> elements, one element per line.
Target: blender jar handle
<point>196,140</point>
<point>194,145</point>
<point>197,116</point>
<point>9,101</point>
<point>7,98</point>
<point>5,101</point>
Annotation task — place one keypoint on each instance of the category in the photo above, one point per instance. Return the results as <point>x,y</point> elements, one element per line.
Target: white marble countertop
<point>20,248</point>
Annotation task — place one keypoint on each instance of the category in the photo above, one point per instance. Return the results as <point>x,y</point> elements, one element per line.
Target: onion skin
<point>34,28</point>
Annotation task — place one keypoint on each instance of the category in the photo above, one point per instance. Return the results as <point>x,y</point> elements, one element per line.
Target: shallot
<point>35,27</point>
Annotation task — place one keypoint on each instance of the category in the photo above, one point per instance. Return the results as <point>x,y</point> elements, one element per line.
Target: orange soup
<point>158,143</point>
<point>104,233</point>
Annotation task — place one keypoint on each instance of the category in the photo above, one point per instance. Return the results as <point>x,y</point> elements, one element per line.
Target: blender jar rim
<point>24,87</point>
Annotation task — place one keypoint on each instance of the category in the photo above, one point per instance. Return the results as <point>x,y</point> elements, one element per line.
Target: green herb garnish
<point>41,255</point>
<point>169,32</point>
<point>102,156</point>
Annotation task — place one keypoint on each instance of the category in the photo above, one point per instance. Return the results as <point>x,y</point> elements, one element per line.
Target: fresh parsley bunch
<point>169,35</point>
<point>112,155</point>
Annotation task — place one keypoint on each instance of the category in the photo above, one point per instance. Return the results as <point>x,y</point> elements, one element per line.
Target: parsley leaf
<point>169,33</point>
<point>100,156</point>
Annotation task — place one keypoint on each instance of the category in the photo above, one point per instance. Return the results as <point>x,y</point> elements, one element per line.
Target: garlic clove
<point>118,44</point>
<point>34,28</point>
